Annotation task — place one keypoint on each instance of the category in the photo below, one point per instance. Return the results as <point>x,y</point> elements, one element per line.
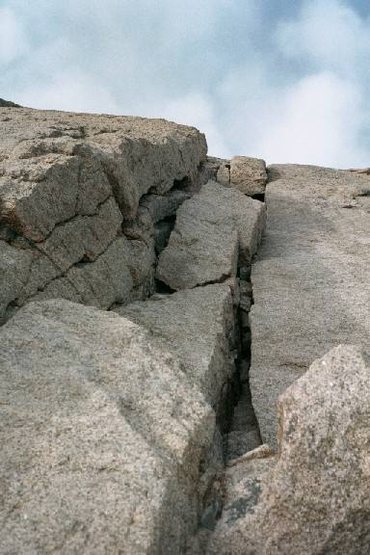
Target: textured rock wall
<point>113,426</point>
<point>81,198</point>
<point>127,426</point>
<point>310,280</point>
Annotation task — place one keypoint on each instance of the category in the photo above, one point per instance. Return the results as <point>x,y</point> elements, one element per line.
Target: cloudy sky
<point>284,80</point>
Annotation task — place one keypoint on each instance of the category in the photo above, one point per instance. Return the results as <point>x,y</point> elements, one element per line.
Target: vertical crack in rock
<point>243,434</point>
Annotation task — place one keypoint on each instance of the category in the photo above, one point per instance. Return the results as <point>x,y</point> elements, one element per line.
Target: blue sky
<point>281,80</point>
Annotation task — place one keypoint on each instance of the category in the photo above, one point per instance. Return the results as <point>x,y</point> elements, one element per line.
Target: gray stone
<point>316,497</point>
<point>44,153</point>
<point>248,175</point>
<point>102,436</point>
<point>68,182</point>
<point>214,230</point>
<point>223,173</point>
<point>102,283</point>
<point>15,267</point>
<point>310,281</point>
<point>198,327</point>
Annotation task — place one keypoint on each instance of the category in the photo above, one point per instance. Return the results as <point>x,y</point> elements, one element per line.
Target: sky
<point>286,81</point>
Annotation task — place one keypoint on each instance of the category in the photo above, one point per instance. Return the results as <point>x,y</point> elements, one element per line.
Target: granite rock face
<point>102,436</point>
<point>198,327</point>
<point>248,175</point>
<point>71,185</point>
<point>310,280</point>
<point>127,426</point>
<point>216,231</point>
<point>315,497</point>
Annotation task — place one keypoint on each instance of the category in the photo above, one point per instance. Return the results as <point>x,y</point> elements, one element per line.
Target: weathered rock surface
<point>102,436</point>
<point>248,175</point>
<point>67,184</point>
<point>198,327</point>
<point>216,230</point>
<point>316,498</point>
<point>311,278</point>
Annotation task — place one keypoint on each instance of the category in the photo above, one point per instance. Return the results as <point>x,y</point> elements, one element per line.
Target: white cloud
<point>316,121</point>
<point>197,110</point>
<point>329,34</point>
<point>296,94</point>
<point>12,38</point>
<point>70,91</point>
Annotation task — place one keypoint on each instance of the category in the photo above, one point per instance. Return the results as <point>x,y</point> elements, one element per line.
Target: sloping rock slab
<point>316,498</point>
<point>197,326</point>
<point>215,230</point>
<point>310,280</point>
<point>101,436</point>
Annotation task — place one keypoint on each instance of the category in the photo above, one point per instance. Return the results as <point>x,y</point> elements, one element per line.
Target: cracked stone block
<point>84,237</point>
<point>215,230</point>
<point>198,327</point>
<point>102,436</point>
<point>102,283</point>
<point>248,175</point>
<point>68,182</point>
<point>314,496</point>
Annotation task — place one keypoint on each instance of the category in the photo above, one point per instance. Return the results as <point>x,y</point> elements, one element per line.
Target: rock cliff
<point>161,313</point>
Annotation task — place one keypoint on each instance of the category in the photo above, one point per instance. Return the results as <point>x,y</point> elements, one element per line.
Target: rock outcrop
<point>70,192</point>
<point>315,497</point>
<point>142,327</point>
<point>310,280</point>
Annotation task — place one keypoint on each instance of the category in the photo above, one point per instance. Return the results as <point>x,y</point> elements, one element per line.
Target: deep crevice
<point>162,288</point>
<point>184,184</point>
<point>259,196</point>
<point>243,432</point>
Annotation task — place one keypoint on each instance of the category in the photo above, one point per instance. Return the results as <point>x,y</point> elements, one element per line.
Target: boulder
<point>102,436</point>
<point>216,231</point>
<point>315,496</point>
<point>310,279</point>
<point>248,175</point>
